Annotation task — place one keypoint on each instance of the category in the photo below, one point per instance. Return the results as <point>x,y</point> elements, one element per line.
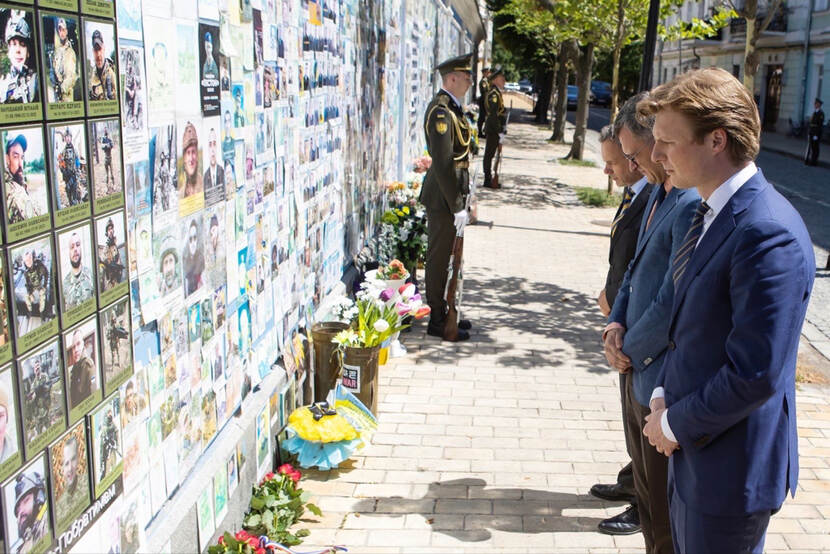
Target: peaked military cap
<point>495,71</point>
<point>463,63</point>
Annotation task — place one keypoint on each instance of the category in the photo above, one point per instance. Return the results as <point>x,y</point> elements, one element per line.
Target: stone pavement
<point>492,445</point>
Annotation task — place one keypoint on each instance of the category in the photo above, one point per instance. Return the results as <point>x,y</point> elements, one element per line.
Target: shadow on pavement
<point>467,510</point>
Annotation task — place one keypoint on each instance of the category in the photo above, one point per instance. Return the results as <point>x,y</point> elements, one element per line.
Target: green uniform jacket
<point>448,142</point>
<point>496,122</point>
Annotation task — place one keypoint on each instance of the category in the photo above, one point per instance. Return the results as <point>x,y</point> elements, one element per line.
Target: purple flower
<point>387,294</point>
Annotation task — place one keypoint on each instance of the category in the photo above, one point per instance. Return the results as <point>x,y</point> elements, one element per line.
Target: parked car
<point>573,94</point>
<point>526,86</point>
<point>602,92</point>
<point>512,86</point>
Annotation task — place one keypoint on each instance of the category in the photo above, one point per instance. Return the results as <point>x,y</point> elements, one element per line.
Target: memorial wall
<point>184,184</point>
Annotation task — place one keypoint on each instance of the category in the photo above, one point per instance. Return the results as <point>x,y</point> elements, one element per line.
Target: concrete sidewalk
<point>492,445</point>
<point>794,147</point>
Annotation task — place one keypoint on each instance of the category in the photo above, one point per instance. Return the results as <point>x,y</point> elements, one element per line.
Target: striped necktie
<point>624,205</point>
<point>684,254</point>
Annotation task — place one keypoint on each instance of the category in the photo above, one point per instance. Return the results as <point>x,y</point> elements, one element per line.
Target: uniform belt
<point>462,165</point>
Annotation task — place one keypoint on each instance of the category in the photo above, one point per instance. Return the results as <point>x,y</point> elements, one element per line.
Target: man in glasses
<point>636,337</point>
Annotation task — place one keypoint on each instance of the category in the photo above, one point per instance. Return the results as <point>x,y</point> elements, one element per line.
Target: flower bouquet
<point>422,164</point>
<point>403,233</point>
<point>243,542</point>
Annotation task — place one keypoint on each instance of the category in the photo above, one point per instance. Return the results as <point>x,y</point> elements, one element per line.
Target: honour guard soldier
<point>814,138</point>
<point>483,87</point>
<point>19,85</point>
<point>446,183</point>
<point>496,125</point>
<point>102,81</point>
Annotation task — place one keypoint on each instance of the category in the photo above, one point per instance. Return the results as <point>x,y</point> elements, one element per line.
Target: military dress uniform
<point>495,126</point>
<point>814,138</point>
<point>446,184</point>
<point>483,88</point>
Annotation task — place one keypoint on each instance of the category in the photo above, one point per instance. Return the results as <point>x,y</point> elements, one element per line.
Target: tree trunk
<point>544,96</point>
<point>751,59</point>
<point>615,64</point>
<point>583,81</point>
<point>561,108</point>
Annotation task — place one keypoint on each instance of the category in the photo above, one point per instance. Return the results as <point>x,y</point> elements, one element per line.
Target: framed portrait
<point>101,66</point>
<point>40,379</point>
<point>61,52</point>
<point>69,476</point>
<point>111,253</point>
<point>191,188</point>
<point>20,94</point>
<point>163,170</point>
<point>135,399</point>
<point>11,454</point>
<point>76,274</point>
<point>25,187</point>
<point>68,172</point>
<point>116,344</point>
<point>108,462</point>
<point>33,290</point>
<point>82,359</point>
<point>26,506</point>
<point>5,318</point>
<point>105,165</point>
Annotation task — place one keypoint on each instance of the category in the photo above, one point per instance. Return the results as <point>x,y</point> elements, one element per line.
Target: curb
<point>791,154</point>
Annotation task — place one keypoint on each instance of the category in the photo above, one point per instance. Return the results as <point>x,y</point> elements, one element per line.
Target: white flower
<point>381,325</point>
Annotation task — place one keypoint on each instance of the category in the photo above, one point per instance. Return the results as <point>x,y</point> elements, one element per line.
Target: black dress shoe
<point>626,523</point>
<point>465,324</point>
<point>462,334</point>
<point>614,493</point>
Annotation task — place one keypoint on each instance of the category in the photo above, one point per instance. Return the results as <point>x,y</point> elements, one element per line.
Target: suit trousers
<point>490,148</point>
<point>698,533</point>
<point>625,478</point>
<point>440,238</point>
<point>650,477</point>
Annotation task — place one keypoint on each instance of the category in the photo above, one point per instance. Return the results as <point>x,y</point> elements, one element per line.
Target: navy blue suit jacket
<point>644,302</point>
<point>729,375</point>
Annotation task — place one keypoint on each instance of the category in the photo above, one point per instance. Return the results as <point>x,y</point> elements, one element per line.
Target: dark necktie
<point>628,195</point>
<point>684,254</point>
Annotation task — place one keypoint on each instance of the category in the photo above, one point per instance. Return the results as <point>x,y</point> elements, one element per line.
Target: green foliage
<point>578,163</point>
<point>596,197</point>
<point>514,66</point>
<point>698,28</point>
<point>631,59</point>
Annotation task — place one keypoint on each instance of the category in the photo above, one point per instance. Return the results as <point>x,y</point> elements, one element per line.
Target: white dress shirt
<point>638,187</point>
<point>716,202</point>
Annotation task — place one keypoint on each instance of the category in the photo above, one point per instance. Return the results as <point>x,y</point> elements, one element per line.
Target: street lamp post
<point>648,48</point>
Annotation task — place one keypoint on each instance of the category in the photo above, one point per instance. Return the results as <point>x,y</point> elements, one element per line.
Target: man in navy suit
<point>724,405</point>
<point>636,338</point>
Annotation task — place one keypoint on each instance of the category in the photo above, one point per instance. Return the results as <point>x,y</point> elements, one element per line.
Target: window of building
<point>673,72</point>
<point>819,81</point>
<point>665,74</point>
<point>736,70</point>
<point>820,5</point>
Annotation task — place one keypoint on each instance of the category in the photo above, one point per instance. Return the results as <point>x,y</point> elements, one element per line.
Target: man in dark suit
<point>814,134</point>
<point>446,184</point>
<point>624,230</point>
<point>723,407</point>
<point>636,337</point>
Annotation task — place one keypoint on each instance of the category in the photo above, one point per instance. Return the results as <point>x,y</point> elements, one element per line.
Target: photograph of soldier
<point>18,59</point>
<point>166,252</point>
<point>77,281</point>
<point>40,378</point>
<point>62,60</point>
<point>101,71</point>
<point>105,158</point>
<point>107,452</point>
<point>111,249</point>
<point>214,224</point>
<point>160,72</point>
<point>24,179</point>
<point>27,509</point>
<point>82,374</point>
<point>5,333</point>
<point>163,169</point>
<point>209,74</point>
<point>191,197</point>
<point>135,399</point>
<point>238,105</point>
<point>67,142</point>
<point>69,475</point>
<point>132,66</point>
<point>115,343</point>
<point>33,282</point>
<point>214,178</point>
<point>9,443</point>
<point>224,73</point>
<point>193,258</point>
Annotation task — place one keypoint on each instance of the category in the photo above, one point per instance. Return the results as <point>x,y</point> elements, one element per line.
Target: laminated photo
<point>70,182</point>
<point>117,356</point>
<point>25,189</point>
<point>166,254</point>
<point>76,275</point>
<point>20,94</point>
<point>163,172</point>
<point>191,189</point>
<point>40,378</point>
<point>69,476</point>
<point>105,423</point>
<point>11,454</point>
<point>61,50</point>
<point>161,67</point>
<point>204,516</point>
<point>209,48</point>
<point>83,368</point>
<point>5,318</point>
<point>187,68</point>
<point>220,494</point>
<point>111,253</point>
<point>27,510</point>
<point>133,102</point>
<point>214,176</point>
<point>101,66</point>
<point>135,457</point>
<point>135,399</point>
<point>193,257</point>
<point>105,166</point>
<point>134,517</point>
<point>214,248</point>
<point>33,289</point>
<point>129,20</point>
<point>137,181</point>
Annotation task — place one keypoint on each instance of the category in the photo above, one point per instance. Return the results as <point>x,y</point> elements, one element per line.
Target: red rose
<point>222,540</point>
<point>241,535</point>
<point>295,475</point>
<point>285,469</point>
<point>260,551</point>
